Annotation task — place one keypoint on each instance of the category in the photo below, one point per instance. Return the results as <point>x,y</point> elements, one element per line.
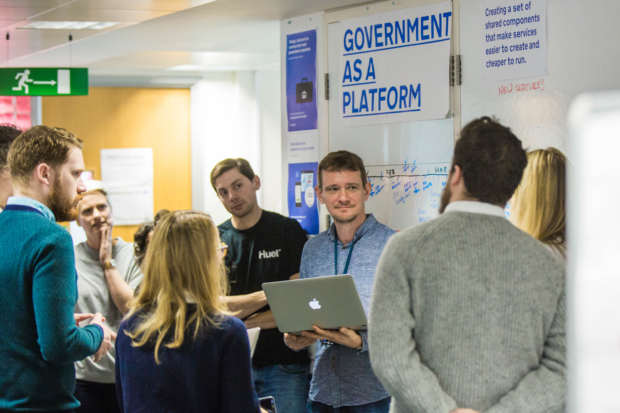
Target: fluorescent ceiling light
<point>49,25</point>
<point>101,25</point>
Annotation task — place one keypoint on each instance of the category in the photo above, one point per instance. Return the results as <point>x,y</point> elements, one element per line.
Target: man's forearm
<point>120,291</point>
<point>242,306</point>
<point>263,320</point>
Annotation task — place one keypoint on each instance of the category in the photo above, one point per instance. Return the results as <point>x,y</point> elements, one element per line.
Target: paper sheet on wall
<point>302,150</point>
<point>302,112</point>
<point>514,39</point>
<point>128,177</point>
<point>394,67</point>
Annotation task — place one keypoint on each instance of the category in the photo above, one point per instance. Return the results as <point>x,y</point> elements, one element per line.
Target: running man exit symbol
<point>23,80</point>
<point>64,81</point>
<point>43,81</point>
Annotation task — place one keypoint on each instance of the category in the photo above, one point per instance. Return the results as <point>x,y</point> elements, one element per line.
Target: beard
<point>344,220</point>
<point>243,212</point>
<point>64,208</point>
<point>445,197</point>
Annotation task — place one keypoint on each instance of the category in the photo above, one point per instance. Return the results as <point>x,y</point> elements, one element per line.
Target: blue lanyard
<point>346,266</point>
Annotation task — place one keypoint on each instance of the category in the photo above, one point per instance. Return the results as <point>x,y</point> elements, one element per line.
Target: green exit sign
<point>47,81</point>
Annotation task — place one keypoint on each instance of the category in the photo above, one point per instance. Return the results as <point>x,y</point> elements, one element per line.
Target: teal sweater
<point>39,341</point>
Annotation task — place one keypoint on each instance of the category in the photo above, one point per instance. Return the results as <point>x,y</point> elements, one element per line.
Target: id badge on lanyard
<point>346,265</point>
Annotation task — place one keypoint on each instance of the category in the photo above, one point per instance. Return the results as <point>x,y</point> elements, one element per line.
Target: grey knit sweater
<point>469,311</point>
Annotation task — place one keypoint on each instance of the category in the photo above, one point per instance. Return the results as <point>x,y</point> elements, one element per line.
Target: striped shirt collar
<point>29,202</point>
<point>475,207</point>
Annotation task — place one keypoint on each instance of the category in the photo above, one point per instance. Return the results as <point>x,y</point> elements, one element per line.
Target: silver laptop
<point>328,302</point>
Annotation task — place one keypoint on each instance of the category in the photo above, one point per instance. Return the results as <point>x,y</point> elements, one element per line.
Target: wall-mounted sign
<point>302,202</point>
<point>301,81</point>
<point>23,81</point>
<point>514,42</point>
<point>394,67</point>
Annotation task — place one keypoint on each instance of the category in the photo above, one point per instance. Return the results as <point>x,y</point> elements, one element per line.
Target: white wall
<point>236,115</point>
<point>267,87</point>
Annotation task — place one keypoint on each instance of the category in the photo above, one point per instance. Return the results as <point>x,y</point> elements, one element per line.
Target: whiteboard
<point>407,162</point>
<point>583,39</point>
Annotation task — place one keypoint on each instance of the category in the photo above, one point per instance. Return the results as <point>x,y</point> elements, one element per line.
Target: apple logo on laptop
<point>314,304</point>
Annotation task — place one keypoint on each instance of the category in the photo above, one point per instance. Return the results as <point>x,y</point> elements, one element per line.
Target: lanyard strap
<point>346,266</point>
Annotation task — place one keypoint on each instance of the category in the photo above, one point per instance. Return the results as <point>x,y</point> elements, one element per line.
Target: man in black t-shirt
<point>262,247</point>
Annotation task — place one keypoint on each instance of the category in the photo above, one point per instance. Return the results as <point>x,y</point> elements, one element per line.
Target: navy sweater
<point>207,375</point>
<point>39,341</point>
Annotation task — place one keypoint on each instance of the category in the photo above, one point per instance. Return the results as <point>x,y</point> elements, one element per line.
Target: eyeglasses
<point>223,249</point>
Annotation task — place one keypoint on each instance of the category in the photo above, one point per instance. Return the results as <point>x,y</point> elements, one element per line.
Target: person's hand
<point>108,337</point>
<point>465,411</point>
<point>344,336</point>
<point>105,250</point>
<point>297,342</point>
<point>263,410</point>
<point>81,317</point>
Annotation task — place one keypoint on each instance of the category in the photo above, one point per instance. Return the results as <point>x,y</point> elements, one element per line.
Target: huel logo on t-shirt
<point>269,254</point>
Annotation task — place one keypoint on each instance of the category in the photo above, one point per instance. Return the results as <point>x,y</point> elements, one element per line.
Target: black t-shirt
<point>269,251</point>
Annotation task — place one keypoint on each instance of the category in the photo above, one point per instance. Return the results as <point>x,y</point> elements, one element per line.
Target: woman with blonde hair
<point>177,350</point>
<point>538,206</point>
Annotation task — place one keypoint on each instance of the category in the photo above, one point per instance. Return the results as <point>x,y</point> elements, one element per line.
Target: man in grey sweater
<point>468,312</point>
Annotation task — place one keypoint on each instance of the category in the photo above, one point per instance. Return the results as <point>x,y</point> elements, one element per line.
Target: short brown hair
<point>8,133</point>
<point>159,216</point>
<point>342,161</point>
<point>40,144</point>
<point>139,241</point>
<point>492,160</point>
<point>229,164</point>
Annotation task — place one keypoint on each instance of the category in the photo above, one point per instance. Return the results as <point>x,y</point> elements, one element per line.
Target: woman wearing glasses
<point>177,350</point>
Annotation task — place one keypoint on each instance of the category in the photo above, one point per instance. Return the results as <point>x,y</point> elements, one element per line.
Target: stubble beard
<point>64,208</point>
<point>344,220</point>
<point>244,212</point>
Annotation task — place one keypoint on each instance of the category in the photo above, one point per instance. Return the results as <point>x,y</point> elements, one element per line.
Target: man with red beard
<point>40,338</point>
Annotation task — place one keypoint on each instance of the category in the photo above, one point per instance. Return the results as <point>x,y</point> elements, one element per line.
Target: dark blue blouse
<point>208,374</point>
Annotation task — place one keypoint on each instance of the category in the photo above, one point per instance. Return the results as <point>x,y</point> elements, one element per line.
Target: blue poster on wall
<point>301,81</point>
<point>302,201</point>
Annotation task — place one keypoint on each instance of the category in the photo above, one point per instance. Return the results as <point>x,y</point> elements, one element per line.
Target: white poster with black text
<point>394,67</point>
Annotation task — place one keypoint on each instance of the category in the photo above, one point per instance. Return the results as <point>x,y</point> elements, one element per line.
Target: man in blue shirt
<point>40,340</point>
<point>343,379</point>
